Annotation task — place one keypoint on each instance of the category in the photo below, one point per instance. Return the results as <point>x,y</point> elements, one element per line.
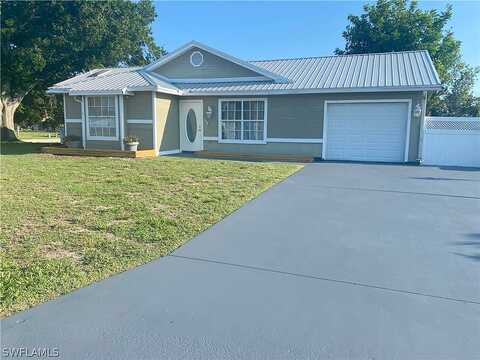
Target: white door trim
<point>199,119</point>
<point>325,119</point>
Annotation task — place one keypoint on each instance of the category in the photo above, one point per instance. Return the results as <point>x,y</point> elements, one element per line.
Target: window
<point>242,121</point>
<point>196,58</point>
<point>102,117</point>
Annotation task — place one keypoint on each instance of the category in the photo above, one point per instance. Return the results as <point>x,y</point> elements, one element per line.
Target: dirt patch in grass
<point>70,221</point>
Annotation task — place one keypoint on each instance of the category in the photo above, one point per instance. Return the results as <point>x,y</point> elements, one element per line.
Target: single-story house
<point>366,107</point>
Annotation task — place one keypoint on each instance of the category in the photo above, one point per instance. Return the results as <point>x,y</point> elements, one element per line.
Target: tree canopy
<point>44,42</point>
<point>399,25</point>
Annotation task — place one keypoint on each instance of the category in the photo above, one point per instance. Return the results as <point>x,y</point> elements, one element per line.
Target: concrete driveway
<point>340,261</point>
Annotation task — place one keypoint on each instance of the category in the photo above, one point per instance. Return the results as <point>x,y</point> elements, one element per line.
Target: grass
<point>34,134</point>
<point>69,221</point>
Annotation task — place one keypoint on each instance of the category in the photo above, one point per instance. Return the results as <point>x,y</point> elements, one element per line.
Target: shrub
<point>131,139</point>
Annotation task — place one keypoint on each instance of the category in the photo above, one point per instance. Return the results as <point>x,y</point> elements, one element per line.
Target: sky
<point>269,30</point>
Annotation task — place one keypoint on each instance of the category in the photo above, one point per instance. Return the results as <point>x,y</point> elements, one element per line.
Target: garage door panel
<point>366,131</point>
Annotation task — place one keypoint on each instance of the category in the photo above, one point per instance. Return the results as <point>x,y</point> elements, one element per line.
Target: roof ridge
<point>343,55</point>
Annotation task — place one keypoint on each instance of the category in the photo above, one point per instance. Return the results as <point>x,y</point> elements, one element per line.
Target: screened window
<point>102,117</point>
<point>242,120</point>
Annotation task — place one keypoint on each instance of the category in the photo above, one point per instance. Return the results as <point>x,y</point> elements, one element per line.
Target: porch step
<point>253,157</point>
<point>59,150</point>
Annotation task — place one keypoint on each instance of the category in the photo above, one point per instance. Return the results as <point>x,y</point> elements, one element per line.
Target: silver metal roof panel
<point>394,71</point>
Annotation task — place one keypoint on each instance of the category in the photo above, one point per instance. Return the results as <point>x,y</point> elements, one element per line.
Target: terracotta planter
<point>131,146</point>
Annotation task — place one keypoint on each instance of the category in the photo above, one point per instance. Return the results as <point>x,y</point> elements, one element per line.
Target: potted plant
<point>73,141</point>
<point>131,141</point>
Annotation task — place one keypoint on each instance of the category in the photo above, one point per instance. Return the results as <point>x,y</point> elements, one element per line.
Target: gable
<point>213,66</point>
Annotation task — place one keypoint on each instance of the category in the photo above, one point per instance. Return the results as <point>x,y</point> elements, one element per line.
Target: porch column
<point>64,116</point>
<point>122,121</point>
<point>154,124</point>
<point>84,123</point>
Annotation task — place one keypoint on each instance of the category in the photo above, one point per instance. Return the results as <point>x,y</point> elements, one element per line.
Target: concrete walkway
<point>340,261</point>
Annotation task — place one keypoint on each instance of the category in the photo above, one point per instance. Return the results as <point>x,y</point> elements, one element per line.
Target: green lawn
<point>34,134</point>
<point>69,221</point>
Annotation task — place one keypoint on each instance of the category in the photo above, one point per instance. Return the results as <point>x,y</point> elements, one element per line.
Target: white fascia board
<point>192,44</point>
<point>169,91</point>
<point>131,90</point>
<point>58,90</point>
<point>99,92</point>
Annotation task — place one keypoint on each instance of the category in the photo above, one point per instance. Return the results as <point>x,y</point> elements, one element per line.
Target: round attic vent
<point>196,58</point>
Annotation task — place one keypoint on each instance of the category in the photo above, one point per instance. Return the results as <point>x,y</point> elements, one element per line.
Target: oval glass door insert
<point>191,125</point>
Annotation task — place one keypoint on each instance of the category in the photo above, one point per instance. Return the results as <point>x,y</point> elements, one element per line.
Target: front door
<point>191,125</point>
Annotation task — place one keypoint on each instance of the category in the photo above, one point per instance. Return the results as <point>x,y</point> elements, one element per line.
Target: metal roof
<point>394,71</point>
<point>407,70</point>
<point>113,81</point>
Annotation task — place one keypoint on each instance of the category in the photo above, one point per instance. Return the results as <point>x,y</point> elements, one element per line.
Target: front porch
<point>61,150</point>
<point>204,154</point>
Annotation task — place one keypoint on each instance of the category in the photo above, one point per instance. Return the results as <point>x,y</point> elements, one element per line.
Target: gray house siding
<point>301,117</point>
<point>212,67</point>
<point>139,107</point>
<point>167,115</point>
<point>144,132</point>
<point>289,117</point>
<point>313,150</point>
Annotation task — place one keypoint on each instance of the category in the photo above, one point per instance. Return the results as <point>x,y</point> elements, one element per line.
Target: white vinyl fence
<point>451,141</point>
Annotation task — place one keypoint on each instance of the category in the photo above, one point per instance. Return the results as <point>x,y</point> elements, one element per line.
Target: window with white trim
<point>242,121</point>
<point>102,117</point>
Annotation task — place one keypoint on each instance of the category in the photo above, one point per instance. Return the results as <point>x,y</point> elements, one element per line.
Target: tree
<point>399,25</point>
<point>44,42</point>
<point>38,107</point>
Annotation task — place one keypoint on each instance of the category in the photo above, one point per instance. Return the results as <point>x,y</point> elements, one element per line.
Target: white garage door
<point>366,131</point>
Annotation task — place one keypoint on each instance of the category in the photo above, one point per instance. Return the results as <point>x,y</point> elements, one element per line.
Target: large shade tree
<point>43,42</point>
<point>398,25</point>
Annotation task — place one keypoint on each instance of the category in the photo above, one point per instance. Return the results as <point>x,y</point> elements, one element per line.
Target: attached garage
<point>367,130</point>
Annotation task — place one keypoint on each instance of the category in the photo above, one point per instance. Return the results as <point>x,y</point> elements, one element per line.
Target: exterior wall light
<point>209,112</point>
<point>418,110</point>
